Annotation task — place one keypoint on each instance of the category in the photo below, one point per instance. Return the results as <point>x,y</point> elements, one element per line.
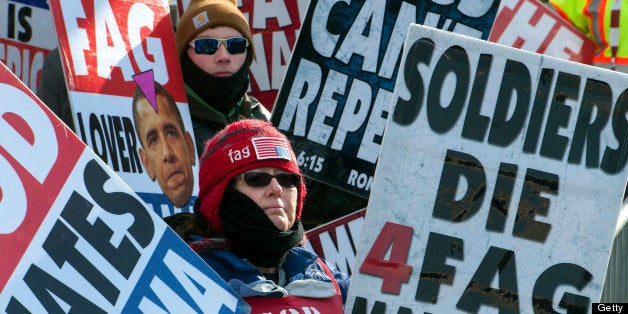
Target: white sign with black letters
<point>499,182</point>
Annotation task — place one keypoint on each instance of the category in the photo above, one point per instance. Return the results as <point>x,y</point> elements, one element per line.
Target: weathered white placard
<point>499,183</point>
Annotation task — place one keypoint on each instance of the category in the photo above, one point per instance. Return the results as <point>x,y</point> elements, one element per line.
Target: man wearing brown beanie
<point>215,48</point>
<point>216,80</point>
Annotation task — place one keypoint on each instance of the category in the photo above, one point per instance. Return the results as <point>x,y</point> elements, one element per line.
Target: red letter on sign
<point>395,271</point>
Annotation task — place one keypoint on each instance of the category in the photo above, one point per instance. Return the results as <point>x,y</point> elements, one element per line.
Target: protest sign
<point>337,240</point>
<point>120,53</point>
<point>499,182</point>
<point>74,236</point>
<point>533,26</point>
<point>275,27</point>
<point>333,103</point>
<point>27,38</point>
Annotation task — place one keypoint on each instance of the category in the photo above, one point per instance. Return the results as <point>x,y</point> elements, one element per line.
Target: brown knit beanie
<point>203,14</point>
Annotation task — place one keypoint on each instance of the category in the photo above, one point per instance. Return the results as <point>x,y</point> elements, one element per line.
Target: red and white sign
<point>275,26</point>
<point>102,49</point>
<point>106,48</point>
<point>75,238</point>
<point>36,157</point>
<point>533,26</point>
<point>337,241</point>
<point>26,38</point>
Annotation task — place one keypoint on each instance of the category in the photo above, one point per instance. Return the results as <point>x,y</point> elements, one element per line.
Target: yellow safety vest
<point>595,18</point>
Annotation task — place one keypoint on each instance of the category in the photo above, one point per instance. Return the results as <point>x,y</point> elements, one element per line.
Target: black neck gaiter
<point>222,93</point>
<point>253,235</point>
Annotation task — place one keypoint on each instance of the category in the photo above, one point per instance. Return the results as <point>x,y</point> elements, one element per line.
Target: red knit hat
<point>238,148</point>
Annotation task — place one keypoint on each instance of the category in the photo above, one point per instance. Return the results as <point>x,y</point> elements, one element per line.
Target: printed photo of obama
<point>167,149</point>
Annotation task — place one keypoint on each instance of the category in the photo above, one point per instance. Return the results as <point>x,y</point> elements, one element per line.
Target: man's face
<point>222,63</point>
<point>167,150</point>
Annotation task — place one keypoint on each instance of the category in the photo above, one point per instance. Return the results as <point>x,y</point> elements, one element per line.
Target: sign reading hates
<point>499,183</point>
<point>127,95</point>
<point>75,238</point>
<point>333,103</point>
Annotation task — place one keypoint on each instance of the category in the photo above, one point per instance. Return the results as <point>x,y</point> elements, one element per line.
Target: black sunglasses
<point>209,46</point>
<point>262,179</point>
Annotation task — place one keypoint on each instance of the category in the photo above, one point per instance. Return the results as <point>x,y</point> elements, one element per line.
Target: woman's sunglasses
<point>209,46</point>
<point>262,179</point>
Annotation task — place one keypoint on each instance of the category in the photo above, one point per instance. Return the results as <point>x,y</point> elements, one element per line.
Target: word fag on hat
<point>242,146</point>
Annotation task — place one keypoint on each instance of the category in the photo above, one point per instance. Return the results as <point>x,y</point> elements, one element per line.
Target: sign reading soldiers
<point>499,183</point>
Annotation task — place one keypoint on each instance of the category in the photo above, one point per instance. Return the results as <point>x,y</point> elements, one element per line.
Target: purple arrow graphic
<point>146,82</point>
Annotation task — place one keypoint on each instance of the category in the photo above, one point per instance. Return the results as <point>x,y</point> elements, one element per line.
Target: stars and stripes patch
<point>271,148</point>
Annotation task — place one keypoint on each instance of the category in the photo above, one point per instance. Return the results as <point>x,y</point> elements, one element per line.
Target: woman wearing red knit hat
<point>247,225</point>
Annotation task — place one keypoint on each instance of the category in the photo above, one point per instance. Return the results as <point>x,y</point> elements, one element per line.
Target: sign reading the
<point>533,26</point>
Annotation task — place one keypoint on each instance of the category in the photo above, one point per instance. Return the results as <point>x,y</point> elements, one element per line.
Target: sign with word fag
<point>499,184</point>
<point>127,95</point>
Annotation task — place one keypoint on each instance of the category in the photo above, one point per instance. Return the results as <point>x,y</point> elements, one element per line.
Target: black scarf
<point>253,235</point>
<point>222,93</point>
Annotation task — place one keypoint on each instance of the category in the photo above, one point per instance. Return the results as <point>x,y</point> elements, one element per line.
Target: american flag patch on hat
<point>271,148</point>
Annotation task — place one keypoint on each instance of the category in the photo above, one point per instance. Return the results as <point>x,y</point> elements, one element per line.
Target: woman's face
<point>279,203</point>
<point>221,63</point>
